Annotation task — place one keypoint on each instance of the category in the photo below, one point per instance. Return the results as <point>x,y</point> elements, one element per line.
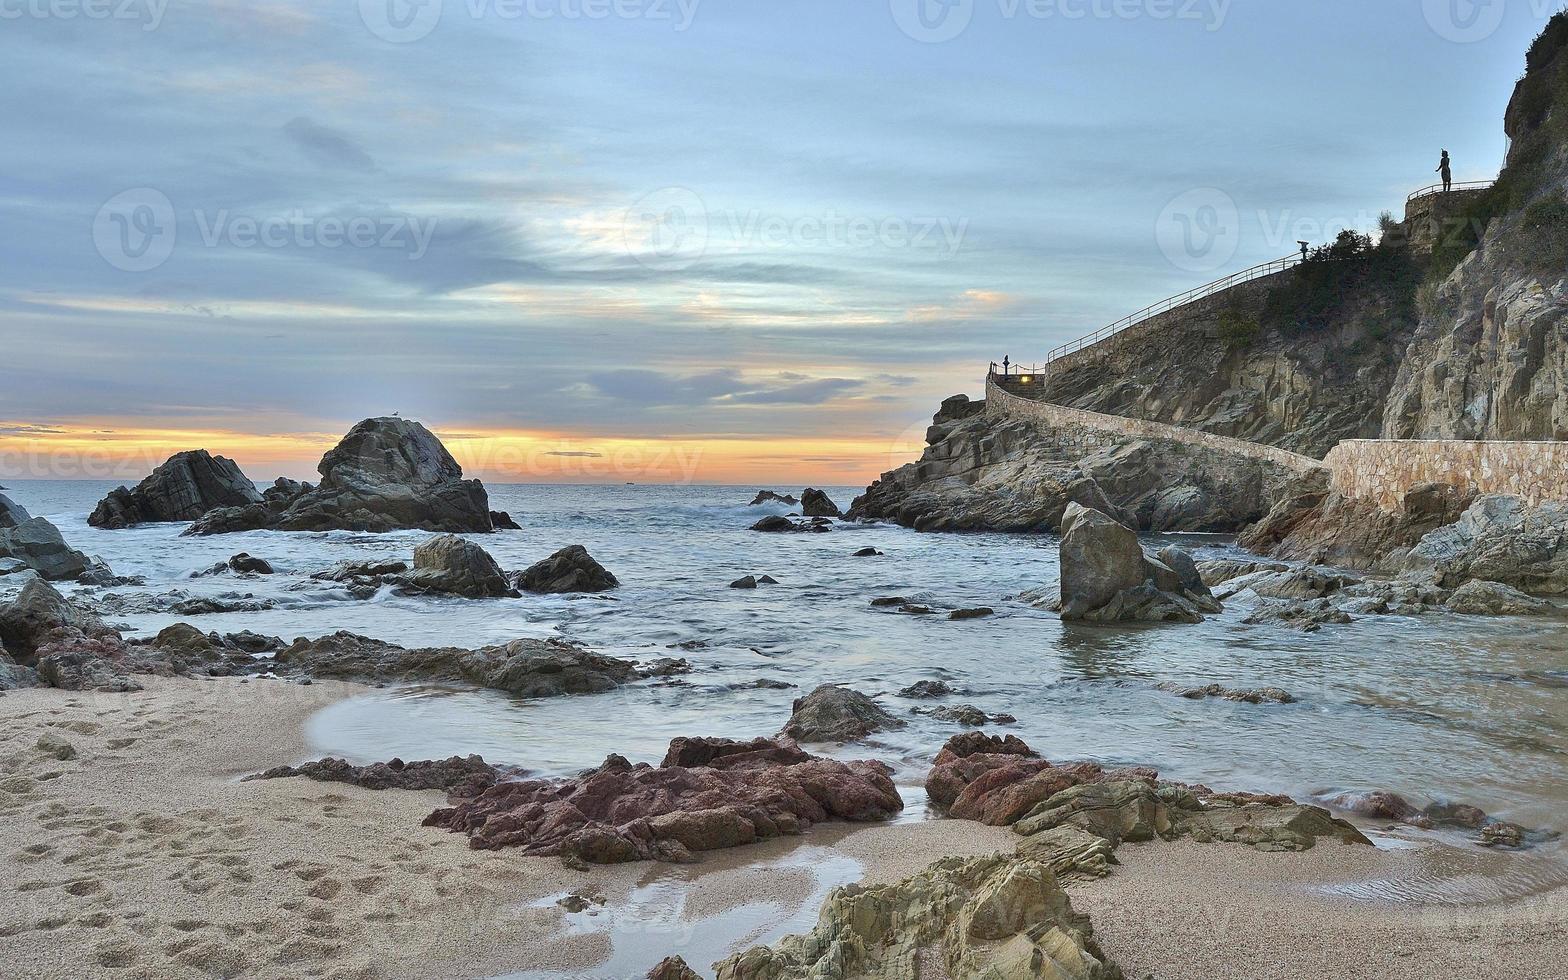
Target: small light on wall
<point>1026,379</point>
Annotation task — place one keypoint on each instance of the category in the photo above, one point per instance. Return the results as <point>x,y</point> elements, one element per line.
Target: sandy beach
<point>145,856</point>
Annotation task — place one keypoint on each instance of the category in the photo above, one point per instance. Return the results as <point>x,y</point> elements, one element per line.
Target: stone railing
<point>1383,470</point>
<point>1003,403</point>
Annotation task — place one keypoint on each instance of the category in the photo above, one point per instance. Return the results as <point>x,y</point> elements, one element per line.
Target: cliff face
<point>1270,362</point>
<point>1489,359</point>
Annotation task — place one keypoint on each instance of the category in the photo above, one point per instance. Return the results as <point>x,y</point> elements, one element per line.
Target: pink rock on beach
<point>707,794</point>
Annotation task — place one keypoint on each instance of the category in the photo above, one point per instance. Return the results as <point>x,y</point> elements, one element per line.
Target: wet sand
<point>144,856</point>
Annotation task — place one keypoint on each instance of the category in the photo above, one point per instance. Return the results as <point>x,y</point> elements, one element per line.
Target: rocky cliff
<point>1489,359</point>
<point>1300,360</point>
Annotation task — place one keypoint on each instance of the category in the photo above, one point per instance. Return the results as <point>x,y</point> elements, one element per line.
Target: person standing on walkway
<point>1445,167</point>
<point>1005,363</point>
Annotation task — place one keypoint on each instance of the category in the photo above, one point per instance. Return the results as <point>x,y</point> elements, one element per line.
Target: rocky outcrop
<point>571,569</point>
<point>990,918</point>
<point>673,968</point>
<point>456,566</point>
<point>186,486</point>
<point>1498,539</point>
<point>38,545</point>
<point>387,474</point>
<point>704,796</point>
<point>458,777</point>
<point>526,668</point>
<point>774,524</point>
<point>1322,527</point>
<point>987,473</point>
<point>1107,577</point>
<point>1250,695</point>
<point>815,503</point>
<point>837,714</point>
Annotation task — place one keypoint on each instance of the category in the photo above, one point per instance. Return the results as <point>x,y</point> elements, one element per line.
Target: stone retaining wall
<point>1385,469</point>
<point>1095,428</point>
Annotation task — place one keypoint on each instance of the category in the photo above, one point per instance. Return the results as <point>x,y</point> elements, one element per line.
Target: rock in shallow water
<point>1107,577</point>
<point>837,714</point>
<point>571,569</point>
<point>708,794</point>
<point>38,545</point>
<point>456,566</point>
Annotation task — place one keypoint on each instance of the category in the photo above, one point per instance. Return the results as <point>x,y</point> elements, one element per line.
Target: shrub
<point>1237,329</point>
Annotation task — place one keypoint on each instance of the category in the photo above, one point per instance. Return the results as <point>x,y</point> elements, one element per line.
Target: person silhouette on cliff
<point>1445,167</point>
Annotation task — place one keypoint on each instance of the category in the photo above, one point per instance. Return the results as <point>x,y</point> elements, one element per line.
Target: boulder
<point>500,520</point>
<point>774,524</point>
<point>571,569</point>
<point>1481,598</point>
<point>458,777</point>
<point>747,582</point>
<point>1107,577</point>
<point>84,667</point>
<point>13,676</point>
<point>978,612</point>
<point>815,503</point>
<point>867,553</point>
<point>837,714</point>
<point>183,488</point>
<point>1218,571</point>
<point>39,545</point>
<point>922,690</point>
<point>28,620</point>
<point>456,566</point>
<point>708,795</point>
<point>12,513</point>
<point>1003,917</point>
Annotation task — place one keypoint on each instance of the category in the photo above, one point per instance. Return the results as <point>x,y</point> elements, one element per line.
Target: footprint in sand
<point>116,954</point>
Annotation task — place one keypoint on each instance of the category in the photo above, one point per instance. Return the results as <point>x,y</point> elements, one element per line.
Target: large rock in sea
<point>572,569</point>
<point>455,565</point>
<point>1003,917</point>
<point>837,714</point>
<point>388,474</point>
<point>186,486</point>
<point>815,503</point>
<point>713,794</point>
<point>1107,577</point>
<point>39,545</point>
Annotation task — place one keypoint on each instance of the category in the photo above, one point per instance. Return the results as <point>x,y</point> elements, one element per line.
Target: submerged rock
<point>926,689</point>
<point>459,777</point>
<point>456,566</point>
<point>1258,695</point>
<point>769,497</point>
<point>966,715</point>
<point>837,714</point>
<point>527,668</point>
<point>990,918</point>
<point>244,564</point>
<point>708,794</point>
<point>183,488</point>
<point>571,569</point>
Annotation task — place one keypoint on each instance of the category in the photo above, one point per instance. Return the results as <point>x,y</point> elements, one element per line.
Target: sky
<point>726,241</point>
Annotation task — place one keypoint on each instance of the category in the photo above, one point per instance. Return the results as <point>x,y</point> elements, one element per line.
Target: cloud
<point>327,147</point>
<point>799,393</point>
<point>724,387</point>
<point>29,430</point>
